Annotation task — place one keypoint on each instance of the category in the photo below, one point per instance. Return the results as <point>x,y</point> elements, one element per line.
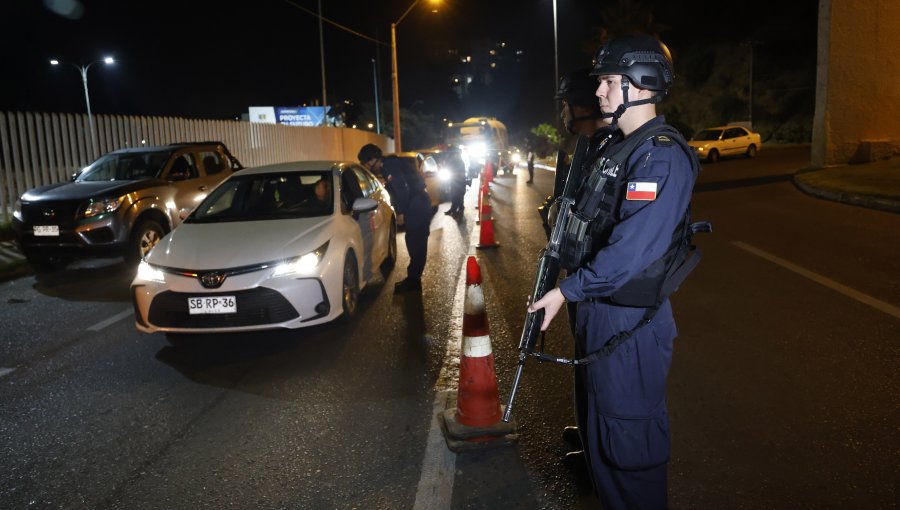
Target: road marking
<point>6,371</point>
<point>112,320</point>
<point>827,282</point>
<point>435,489</point>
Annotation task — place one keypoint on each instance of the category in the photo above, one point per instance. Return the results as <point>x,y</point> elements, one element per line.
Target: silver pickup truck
<point>120,205</point>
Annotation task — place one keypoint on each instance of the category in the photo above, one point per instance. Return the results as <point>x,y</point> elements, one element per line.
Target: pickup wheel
<point>751,151</point>
<point>143,238</point>
<point>712,157</point>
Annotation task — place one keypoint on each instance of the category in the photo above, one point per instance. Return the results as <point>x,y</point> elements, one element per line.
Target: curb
<point>867,201</point>
<point>12,262</point>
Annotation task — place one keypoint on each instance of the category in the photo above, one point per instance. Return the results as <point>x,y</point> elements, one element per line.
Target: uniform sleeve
<point>645,229</point>
<point>399,189</point>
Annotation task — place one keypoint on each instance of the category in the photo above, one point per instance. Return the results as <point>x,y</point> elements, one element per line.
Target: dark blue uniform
<point>624,422</point>
<point>409,198</point>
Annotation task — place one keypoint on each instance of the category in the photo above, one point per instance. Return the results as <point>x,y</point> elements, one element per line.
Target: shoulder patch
<point>663,141</point>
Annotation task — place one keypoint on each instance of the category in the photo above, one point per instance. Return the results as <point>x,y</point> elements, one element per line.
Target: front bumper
<point>267,303</point>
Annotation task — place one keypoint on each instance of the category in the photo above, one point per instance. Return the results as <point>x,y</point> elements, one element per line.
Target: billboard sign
<point>289,115</point>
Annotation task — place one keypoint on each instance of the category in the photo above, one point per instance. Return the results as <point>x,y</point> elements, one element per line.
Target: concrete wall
<point>857,116</point>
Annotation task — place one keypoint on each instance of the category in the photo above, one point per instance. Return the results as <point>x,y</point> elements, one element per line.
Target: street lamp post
<point>87,98</point>
<point>394,87</point>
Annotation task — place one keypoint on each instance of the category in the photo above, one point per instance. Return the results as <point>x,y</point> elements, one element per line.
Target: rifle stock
<point>547,270</point>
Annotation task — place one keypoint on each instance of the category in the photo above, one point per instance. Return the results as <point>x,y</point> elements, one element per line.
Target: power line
<point>338,25</point>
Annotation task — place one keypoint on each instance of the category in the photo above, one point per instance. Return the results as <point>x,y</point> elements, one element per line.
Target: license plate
<point>212,304</point>
<point>46,230</point>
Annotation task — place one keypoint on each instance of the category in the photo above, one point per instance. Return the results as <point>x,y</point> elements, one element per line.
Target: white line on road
<point>6,371</point>
<point>435,490</point>
<point>827,282</point>
<point>115,318</point>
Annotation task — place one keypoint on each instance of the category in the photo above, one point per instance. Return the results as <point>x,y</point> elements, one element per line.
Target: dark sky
<point>213,59</point>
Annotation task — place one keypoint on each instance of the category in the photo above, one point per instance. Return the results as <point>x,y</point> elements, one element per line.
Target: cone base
<point>461,438</point>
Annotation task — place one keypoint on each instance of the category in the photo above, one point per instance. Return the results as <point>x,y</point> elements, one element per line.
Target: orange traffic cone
<point>489,170</point>
<point>478,403</point>
<point>476,420</point>
<point>486,235</point>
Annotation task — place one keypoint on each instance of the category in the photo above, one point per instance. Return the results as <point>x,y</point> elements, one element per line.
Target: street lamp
<point>87,98</point>
<point>396,91</point>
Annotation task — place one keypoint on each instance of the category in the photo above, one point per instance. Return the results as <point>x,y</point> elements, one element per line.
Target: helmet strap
<point>626,103</point>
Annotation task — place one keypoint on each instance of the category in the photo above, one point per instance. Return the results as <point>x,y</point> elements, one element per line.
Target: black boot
<point>408,284</point>
<point>570,435</point>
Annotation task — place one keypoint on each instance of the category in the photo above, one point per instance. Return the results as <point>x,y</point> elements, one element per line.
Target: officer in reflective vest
<point>625,427</point>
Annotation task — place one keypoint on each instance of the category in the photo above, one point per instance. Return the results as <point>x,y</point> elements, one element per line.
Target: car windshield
<point>708,134</point>
<point>125,166</point>
<point>272,196</point>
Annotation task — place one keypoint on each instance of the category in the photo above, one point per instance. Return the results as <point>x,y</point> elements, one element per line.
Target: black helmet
<point>644,59</point>
<point>577,88</point>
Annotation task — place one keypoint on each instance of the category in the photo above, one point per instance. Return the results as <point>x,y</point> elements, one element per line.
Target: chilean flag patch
<point>641,191</point>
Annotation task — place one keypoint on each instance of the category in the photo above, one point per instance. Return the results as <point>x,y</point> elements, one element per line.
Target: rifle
<point>548,269</point>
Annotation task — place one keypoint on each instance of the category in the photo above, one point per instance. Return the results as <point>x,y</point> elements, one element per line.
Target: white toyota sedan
<point>280,246</point>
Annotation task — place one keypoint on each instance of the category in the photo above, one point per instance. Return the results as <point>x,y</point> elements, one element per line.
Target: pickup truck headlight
<point>101,206</point>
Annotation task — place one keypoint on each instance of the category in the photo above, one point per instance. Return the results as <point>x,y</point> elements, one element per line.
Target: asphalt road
<point>782,392</point>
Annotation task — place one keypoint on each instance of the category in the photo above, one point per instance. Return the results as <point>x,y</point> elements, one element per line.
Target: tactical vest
<point>596,213</point>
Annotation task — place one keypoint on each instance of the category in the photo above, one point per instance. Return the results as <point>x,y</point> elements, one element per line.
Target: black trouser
<point>418,225</point>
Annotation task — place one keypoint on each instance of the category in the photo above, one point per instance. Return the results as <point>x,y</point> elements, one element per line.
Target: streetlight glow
<point>394,81</point>
<point>83,69</point>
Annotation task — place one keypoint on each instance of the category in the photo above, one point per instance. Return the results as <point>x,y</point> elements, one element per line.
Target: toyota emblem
<point>212,280</point>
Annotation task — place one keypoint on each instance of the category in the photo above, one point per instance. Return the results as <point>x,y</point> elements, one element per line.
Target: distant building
<point>857,98</point>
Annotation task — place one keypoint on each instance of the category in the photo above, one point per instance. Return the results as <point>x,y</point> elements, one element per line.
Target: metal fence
<point>46,148</point>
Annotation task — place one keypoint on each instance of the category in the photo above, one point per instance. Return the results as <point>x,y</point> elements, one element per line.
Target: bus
<point>482,139</point>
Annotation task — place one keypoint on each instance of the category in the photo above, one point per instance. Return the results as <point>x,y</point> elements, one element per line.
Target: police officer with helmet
<point>627,229</point>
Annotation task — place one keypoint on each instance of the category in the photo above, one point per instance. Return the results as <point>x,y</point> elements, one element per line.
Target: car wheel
<point>713,156</point>
<point>143,239</point>
<point>46,263</point>
<point>391,258</point>
<point>350,288</point>
<point>751,151</point>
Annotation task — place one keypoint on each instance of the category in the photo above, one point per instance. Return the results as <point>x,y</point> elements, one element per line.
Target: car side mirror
<point>183,213</point>
<point>362,205</point>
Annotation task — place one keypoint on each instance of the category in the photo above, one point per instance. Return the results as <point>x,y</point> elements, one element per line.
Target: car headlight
<point>478,150</point>
<point>444,174</point>
<point>516,157</point>
<point>302,265</point>
<point>150,273</point>
<point>102,206</point>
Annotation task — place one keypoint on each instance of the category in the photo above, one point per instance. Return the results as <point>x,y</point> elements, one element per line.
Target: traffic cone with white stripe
<point>476,421</point>
<point>486,233</point>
